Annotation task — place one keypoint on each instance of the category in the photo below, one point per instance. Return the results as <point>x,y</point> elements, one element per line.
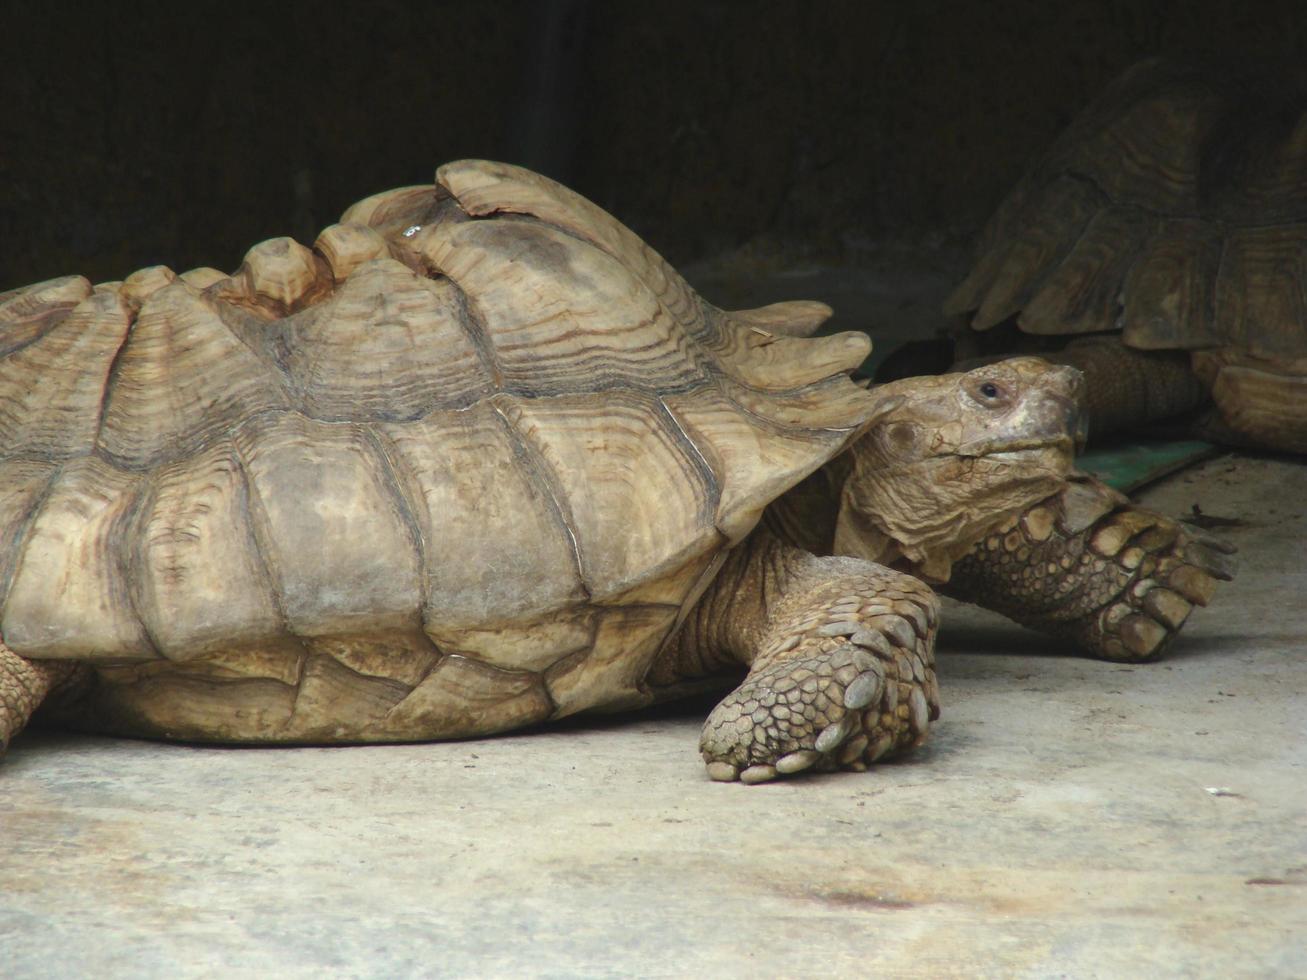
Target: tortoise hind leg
<point>1259,403</point>
<point>841,658</point>
<point>24,684</point>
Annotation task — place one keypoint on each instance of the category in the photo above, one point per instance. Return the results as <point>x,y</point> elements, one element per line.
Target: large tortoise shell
<point>480,430</point>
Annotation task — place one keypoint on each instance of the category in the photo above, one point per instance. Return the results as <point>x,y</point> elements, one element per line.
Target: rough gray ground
<point>1068,818</point>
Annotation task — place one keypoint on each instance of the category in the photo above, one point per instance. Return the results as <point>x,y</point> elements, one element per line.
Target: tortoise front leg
<point>1088,565</point>
<point>840,654</point>
<point>24,684</point>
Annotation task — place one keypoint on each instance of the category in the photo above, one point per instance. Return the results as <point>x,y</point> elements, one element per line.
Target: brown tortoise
<point>1172,210</point>
<point>481,458</point>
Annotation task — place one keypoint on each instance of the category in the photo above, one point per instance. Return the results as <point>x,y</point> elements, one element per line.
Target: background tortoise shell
<point>1173,209</point>
<point>460,467</point>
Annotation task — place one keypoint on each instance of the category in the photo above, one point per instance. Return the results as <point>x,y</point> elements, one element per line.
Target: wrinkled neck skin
<point>927,515</point>
<point>956,456</point>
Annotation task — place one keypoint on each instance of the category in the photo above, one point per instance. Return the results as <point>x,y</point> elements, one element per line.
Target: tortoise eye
<point>989,389</point>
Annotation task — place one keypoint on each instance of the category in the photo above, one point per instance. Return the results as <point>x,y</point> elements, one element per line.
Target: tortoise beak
<point>1077,417</point>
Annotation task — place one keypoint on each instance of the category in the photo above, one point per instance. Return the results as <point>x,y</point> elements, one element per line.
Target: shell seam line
<point>19,546</point>
<point>285,382</point>
<point>125,550</point>
<point>549,480</point>
<point>261,546</point>
<point>710,477</point>
<point>395,484</point>
<point>106,388</point>
<point>473,326</point>
<point>45,331</point>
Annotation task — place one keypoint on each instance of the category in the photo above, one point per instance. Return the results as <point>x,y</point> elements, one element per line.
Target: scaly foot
<point>840,687</point>
<point>24,684</point>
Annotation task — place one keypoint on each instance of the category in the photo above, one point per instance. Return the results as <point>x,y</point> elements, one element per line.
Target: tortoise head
<point>952,456</point>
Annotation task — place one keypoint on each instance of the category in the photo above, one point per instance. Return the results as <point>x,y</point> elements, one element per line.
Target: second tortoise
<point>1167,227</point>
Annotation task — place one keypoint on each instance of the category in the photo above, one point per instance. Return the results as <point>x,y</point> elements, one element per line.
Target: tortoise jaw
<point>1051,457</point>
<point>1060,450</point>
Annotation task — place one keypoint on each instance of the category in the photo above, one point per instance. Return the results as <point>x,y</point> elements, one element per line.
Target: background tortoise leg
<point>1127,388</point>
<point>841,657</point>
<point>1259,403</point>
<point>24,684</point>
<point>1088,565</point>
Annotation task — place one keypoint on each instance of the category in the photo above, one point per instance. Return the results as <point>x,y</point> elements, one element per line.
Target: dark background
<point>133,134</point>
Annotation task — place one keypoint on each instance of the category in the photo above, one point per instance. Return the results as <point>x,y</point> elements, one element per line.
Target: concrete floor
<point>1067,818</point>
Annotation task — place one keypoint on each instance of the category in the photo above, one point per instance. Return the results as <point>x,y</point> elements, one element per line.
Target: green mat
<point>1127,466</point>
